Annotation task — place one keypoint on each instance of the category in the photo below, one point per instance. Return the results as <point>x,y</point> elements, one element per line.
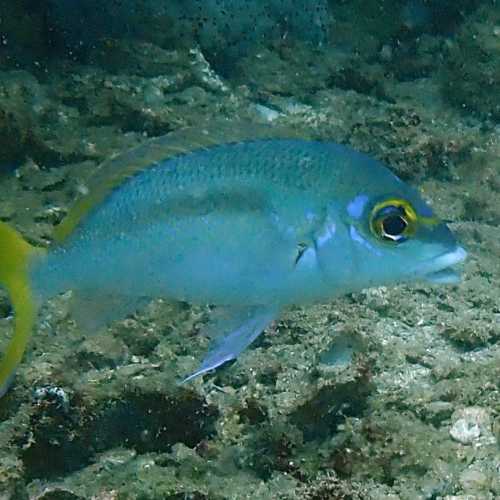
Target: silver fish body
<point>244,223</point>
<point>254,226</point>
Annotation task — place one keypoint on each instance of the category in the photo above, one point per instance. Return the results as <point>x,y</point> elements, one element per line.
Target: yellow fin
<point>15,255</point>
<point>113,172</point>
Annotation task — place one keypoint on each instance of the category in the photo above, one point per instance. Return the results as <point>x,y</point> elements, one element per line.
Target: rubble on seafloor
<point>385,394</point>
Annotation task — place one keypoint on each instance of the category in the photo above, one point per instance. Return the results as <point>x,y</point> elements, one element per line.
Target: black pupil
<point>394,225</point>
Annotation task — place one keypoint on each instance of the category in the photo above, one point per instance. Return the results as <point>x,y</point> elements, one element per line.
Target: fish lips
<point>439,270</point>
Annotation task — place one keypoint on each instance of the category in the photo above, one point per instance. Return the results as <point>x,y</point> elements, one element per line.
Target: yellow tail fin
<point>15,254</point>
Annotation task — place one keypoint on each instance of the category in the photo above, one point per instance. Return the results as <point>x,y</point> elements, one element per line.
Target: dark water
<point>385,394</point>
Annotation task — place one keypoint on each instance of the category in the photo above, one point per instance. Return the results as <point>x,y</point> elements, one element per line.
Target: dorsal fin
<point>114,171</point>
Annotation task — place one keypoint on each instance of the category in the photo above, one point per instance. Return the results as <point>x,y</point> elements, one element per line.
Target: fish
<point>248,219</point>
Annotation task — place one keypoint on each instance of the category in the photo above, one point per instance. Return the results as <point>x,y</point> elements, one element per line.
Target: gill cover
<point>15,255</point>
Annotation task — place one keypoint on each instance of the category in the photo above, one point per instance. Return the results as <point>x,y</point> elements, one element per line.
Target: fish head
<point>380,231</point>
<point>396,237</point>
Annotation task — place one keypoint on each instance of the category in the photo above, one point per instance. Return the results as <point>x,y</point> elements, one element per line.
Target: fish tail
<point>15,256</point>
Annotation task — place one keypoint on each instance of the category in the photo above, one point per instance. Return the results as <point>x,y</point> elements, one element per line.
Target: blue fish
<point>252,222</point>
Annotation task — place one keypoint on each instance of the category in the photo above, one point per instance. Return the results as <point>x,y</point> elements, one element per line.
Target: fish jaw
<point>439,270</point>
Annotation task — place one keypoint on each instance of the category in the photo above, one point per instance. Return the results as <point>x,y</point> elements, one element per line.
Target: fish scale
<point>177,206</point>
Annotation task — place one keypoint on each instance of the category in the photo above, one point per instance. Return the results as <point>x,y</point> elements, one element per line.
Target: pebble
<point>469,424</point>
<point>266,113</point>
<point>465,431</point>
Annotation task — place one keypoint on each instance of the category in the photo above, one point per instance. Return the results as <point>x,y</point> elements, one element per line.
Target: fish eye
<point>394,226</point>
<point>393,220</point>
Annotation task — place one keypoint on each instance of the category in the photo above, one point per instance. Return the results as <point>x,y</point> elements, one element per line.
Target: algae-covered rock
<point>224,30</point>
<point>472,77</point>
<point>34,124</point>
<point>72,433</point>
<point>22,100</point>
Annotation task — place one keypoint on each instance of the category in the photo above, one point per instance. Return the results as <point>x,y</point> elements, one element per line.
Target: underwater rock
<point>22,100</point>
<point>11,482</point>
<point>57,494</point>
<point>72,434</point>
<point>161,91</point>
<point>475,481</point>
<point>105,351</point>
<point>438,412</point>
<point>470,424</point>
<point>364,26</point>
<point>476,331</point>
<point>37,124</point>
<point>155,91</point>
<point>328,486</point>
<point>7,210</point>
<point>223,29</point>
<point>465,431</point>
<point>329,405</point>
<point>341,352</point>
<point>32,177</point>
<point>472,78</point>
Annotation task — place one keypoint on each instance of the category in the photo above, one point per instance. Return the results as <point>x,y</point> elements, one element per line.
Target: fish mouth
<point>439,269</point>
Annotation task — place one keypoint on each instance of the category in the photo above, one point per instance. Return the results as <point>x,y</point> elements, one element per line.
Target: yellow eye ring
<point>393,220</point>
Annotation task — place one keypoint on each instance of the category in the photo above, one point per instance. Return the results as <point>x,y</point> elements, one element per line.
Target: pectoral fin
<point>237,329</point>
